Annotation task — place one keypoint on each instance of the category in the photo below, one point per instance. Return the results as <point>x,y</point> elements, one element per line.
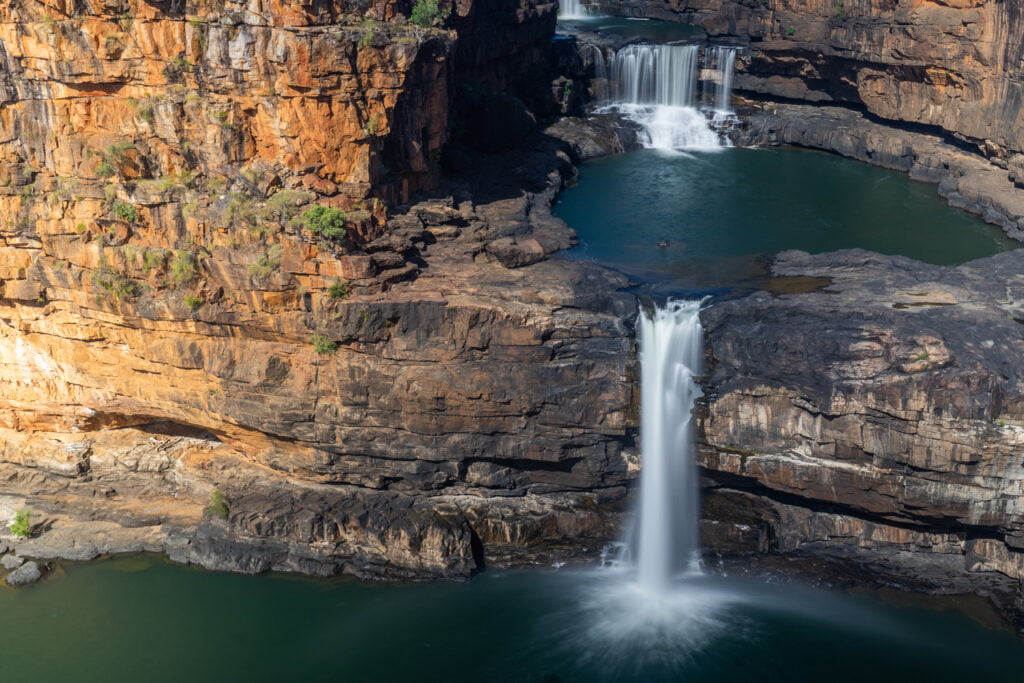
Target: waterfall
<point>572,9</point>
<point>722,60</point>
<point>600,80</point>
<point>663,75</point>
<point>659,86</point>
<point>671,353</point>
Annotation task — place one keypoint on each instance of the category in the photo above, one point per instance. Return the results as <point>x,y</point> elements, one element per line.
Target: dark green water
<point>646,29</point>
<point>721,210</point>
<point>142,619</point>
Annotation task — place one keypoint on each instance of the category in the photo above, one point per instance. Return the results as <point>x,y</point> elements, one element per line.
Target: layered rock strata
<point>188,366</point>
<point>893,439</point>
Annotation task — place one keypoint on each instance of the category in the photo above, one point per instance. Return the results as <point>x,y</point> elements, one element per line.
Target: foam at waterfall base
<point>627,625</point>
<point>674,129</point>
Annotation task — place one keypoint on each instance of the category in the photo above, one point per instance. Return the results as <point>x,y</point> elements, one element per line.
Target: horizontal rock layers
<point>417,396</point>
<point>878,419</point>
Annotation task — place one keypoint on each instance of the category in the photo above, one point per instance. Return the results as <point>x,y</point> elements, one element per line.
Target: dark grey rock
<point>24,575</point>
<point>11,561</point>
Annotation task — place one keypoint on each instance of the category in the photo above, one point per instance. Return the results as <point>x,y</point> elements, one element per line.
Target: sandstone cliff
<point>382,403</point>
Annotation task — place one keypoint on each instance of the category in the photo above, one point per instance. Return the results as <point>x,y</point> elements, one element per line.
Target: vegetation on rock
<point>218,506</point>
<point>20,525</point>
<point>326,222</point>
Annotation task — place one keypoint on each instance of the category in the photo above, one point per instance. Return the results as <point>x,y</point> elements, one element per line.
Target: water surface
<point>646,29</point>
<point>142,619</point>
<point>721,211</point>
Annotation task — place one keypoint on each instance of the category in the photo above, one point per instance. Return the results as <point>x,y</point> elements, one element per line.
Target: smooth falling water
<point>663,75</point>
<point>660,86</point>
<point>671,349</point>
<point>572,9</point>
<point>723,61</point>
<point>601,80</point>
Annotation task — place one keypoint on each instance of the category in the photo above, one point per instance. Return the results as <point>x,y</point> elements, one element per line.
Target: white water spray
<point>660,87</point>
<point>572,9</point>
<point>671,350</point>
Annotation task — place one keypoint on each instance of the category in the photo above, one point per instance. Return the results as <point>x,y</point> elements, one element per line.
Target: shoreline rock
<point>24,575</point>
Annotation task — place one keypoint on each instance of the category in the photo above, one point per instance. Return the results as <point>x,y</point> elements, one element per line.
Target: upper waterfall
<point>572,9</point>
<point>662,87</point>
<point>656,74</point>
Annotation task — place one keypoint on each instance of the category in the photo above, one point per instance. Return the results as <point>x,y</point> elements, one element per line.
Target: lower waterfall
<point>671,351</point>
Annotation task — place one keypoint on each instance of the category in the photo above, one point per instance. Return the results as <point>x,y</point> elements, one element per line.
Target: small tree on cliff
<point>326,222</point>
<point>426,13</point>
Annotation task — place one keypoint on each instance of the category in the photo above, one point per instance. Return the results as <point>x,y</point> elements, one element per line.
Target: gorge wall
<point>954,64</point>
<point>414,398</point>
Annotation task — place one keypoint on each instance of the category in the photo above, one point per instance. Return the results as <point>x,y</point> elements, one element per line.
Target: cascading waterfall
<point>656,74</point>
<point>655,602</point>
<point>671,350</point>
<point>572,9</point>
<point>659,87</point>
<point>602,90</point>
<point>722,60</point>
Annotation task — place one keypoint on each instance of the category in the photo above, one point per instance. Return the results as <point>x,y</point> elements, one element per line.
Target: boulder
<point>24,575</point>
<point>11,561</point>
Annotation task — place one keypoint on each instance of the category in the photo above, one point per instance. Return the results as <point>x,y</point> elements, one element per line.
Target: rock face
<point>894,439</point>
<point>956,64</point>
<point>406,399</point>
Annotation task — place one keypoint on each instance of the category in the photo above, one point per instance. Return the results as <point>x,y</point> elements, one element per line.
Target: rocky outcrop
<point>953,65</point>
<point>191,363</point>
<point>454,404</point>
<point>893,440</point>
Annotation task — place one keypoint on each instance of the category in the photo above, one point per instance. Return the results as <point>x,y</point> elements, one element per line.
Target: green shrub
<point>152,259</point>
<point>126,212</point>
<point>325,221</point>
<point>323,345</point>
<point>194,302</point>
<point>338,289</point>
<point>20,525</point>
<point>115,283</point>
<point>218,507</point>
<point>105,169</point>
<point>426,13</point>
<point>183,267</point>
<point>267,264</point>
<point>112,157</point>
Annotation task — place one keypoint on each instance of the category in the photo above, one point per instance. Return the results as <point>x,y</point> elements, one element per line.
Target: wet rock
<point>24,575</point>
